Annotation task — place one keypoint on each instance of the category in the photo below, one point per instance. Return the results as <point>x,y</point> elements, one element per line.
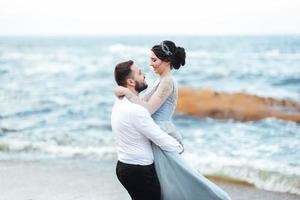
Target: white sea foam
<point>54,149</point>
<point>264,174</point>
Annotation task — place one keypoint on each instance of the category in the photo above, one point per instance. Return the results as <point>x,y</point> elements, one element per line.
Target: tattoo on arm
<point>136,99</point>
<point>156,97</point>
<point>165,88</point>
<point>147,96</point>
<point>130,96</point>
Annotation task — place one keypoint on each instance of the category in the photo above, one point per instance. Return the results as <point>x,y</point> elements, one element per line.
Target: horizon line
<point>151,35</point>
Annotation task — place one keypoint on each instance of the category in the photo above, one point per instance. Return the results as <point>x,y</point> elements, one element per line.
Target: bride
<point>178,180</point>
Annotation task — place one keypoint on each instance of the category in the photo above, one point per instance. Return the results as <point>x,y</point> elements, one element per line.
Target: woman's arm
<point>163,91</point>
<point>148,95</point>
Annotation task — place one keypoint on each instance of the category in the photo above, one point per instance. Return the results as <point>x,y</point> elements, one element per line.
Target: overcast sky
<point>123,17</point>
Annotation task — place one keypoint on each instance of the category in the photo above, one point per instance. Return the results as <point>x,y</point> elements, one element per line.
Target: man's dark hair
<point>123,72</point>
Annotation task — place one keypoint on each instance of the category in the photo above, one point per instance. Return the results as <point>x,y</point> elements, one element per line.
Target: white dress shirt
<point>134,130</point>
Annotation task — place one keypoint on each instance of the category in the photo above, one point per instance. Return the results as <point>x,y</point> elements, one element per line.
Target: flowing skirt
<point>179,181</point>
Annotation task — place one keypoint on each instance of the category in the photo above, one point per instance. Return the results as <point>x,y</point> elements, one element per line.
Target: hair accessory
<point>165,49</point>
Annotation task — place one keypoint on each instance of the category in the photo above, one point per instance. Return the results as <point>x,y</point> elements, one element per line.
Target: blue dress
<point>178,180</point>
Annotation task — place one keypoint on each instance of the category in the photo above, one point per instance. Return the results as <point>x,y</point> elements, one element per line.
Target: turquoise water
<point>56,97</point>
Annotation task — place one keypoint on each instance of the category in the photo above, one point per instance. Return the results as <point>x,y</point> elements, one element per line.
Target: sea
<point>57,92</point>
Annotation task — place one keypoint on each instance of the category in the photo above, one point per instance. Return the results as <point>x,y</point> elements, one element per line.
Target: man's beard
<point>140,86</point>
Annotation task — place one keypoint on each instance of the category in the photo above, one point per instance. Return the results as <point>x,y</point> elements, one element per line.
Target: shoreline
<point>80,179</point>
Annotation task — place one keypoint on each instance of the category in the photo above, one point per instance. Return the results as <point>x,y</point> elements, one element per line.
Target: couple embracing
<point>149,165</point>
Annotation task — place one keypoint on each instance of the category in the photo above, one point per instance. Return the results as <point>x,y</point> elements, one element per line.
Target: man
<point>134,130</point>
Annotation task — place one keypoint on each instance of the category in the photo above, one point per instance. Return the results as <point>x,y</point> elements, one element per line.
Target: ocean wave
<point>264,174</point>
<point>3,71</point>
<point>33,112</point>
<point>32,56</point>
<point>57,149</point>
<point>4,131</point>
<point>28,112</point>
<point>8,130</point>
<point>209,54</point>
<point>268,54</point>
<point>287,81</point>
<point>276,53</point>
<point>248,72</point>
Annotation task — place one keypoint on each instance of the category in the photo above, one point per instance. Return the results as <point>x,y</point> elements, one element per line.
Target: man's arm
<point>146,126</point>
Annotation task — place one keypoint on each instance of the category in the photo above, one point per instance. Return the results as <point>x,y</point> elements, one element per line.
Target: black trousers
<point>141,182</point>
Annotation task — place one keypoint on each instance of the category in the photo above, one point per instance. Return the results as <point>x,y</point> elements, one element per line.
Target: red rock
<point>238,106</point>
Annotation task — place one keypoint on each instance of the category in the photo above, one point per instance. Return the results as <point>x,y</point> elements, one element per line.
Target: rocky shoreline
<point>237,106</point>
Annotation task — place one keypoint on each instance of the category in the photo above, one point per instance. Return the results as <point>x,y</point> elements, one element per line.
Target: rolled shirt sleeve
<point>145,125</point>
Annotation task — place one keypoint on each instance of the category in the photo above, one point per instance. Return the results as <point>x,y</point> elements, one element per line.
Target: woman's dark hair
<point>167,51</point>
<point>123,72</point>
